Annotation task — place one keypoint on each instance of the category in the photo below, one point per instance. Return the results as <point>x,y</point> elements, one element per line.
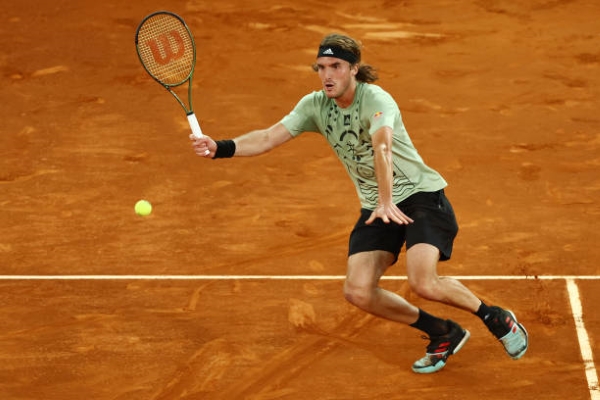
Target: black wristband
<point>225,149</point>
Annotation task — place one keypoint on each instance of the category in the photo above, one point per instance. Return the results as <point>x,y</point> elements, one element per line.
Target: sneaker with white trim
<point>440,348</point>
<point>504,325</point>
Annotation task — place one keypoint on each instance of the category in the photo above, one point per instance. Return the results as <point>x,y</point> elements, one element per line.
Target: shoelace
<point>436,346</point>
<point>500,325</point>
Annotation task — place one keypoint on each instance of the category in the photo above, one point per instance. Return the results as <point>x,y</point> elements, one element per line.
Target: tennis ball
<point>143,207</point>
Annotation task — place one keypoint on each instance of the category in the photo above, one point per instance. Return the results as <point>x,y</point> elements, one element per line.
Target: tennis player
<point>402,200</point>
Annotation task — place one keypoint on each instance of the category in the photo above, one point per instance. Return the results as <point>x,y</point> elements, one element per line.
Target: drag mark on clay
<point>271,380</point>
<point>11,178</point>
<point>50,71</point>
<point>195,298</point>
<point>204,369</point>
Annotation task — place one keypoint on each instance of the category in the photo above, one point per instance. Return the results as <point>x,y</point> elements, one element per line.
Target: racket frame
<point>189,108</point>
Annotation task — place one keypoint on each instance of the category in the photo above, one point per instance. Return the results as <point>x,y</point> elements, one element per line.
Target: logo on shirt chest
<point>347,119</point>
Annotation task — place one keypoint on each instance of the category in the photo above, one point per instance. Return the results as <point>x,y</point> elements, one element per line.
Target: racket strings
<point>166,49</point>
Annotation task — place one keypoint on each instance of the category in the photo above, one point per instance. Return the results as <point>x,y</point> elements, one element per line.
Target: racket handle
<point>193,121</point>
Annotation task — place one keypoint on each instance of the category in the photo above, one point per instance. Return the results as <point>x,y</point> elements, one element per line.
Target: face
<point>337,77</point>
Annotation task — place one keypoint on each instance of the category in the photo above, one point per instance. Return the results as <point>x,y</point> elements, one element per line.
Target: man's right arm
<point>250,144</point>
<point>261,141</point>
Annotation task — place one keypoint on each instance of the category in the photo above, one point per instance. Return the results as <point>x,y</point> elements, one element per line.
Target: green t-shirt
<point>348,131</point>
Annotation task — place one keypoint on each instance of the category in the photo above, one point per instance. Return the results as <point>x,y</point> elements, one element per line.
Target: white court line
<point>584,341</point>
<point>273,277</point>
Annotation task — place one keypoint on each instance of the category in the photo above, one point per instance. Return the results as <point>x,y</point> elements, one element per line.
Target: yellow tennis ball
<point>143,207</point>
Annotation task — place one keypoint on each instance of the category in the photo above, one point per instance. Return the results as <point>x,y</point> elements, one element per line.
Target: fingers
<point>404,219</point>
<point>389,214</point>
<point>375,214</point>
<point>401,218</point>
<point>202,150</point>
<point>371,218</point>
<point>201,146</point>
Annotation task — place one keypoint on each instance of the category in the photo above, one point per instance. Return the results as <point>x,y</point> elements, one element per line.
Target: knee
<point>425,289</point>
<point>358,295</point>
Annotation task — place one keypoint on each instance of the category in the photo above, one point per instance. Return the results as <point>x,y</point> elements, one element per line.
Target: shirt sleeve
<point>301,118</point>
<point>382,110</point>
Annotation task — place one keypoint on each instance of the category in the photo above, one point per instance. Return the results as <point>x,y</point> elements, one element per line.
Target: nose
<point>325,73</point>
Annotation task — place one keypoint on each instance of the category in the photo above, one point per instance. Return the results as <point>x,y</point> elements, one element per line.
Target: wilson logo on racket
<point>167,54</point>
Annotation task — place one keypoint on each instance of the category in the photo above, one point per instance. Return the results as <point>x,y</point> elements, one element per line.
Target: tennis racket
<point>167,51</point>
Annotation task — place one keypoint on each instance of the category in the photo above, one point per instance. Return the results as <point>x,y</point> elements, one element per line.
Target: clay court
<point>232,288</point>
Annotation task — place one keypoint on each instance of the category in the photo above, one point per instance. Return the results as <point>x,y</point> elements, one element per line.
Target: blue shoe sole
<point>441,364</point>
<point>524,350</point>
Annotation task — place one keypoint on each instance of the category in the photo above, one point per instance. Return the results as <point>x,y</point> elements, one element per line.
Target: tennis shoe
<point>504,325</point>
<point>440,348</point>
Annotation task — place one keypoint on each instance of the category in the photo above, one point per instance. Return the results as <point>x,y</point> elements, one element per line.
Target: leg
<point>421,263</point>
<point>361,288</point>
<point>421,266</point>
<point>366,266</point>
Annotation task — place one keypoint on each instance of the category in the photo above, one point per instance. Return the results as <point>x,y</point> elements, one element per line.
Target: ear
<point>354,69</point>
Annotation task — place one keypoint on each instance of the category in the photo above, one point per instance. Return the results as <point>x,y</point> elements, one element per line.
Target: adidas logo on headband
<point>337,52</point>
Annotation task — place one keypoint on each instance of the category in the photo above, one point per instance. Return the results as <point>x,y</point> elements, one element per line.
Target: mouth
<point>328,86</point>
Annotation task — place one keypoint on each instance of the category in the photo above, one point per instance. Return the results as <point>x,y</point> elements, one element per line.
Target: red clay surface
<point>501,97</point>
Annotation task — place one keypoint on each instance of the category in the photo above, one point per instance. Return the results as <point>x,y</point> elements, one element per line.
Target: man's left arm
<point>384,173</point>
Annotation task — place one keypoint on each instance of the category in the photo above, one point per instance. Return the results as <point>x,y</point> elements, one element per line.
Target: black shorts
<point>434,223</point>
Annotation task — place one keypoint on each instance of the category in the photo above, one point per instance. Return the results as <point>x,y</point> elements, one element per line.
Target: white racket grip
<point>193,121</point>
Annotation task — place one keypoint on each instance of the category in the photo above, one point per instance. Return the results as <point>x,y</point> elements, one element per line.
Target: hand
<point>204,146</point>
<point>387,213</point>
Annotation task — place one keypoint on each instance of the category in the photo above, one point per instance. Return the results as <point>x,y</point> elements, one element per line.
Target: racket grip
<point>193,121</point>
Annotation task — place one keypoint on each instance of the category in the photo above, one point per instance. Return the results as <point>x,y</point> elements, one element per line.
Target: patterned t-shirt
<point>348,131</point>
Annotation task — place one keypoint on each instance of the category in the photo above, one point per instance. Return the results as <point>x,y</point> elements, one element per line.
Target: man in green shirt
<point>402,202</point>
